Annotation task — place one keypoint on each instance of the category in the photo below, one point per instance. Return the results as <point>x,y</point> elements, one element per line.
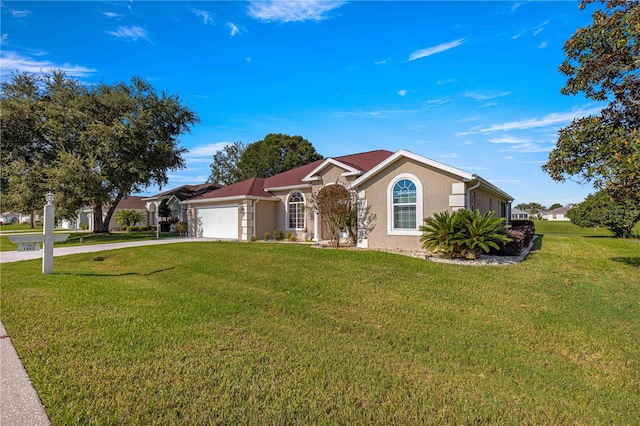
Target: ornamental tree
<point>603,63</point>
<point>600,210</point>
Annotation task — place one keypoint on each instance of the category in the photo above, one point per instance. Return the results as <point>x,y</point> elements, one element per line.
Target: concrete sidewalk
<point>20,404</point>
<point>15,256</point>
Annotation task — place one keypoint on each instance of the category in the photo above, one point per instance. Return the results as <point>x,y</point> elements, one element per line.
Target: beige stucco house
<point>400,188</point>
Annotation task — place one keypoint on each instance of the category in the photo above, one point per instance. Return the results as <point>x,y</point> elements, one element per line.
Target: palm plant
<point>439,232</point>
<point>479,232</point>
<point>463,233</point>
<point>128,217</point>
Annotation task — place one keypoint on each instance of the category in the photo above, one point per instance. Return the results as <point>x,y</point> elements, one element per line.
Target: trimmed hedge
<point>521,234</point>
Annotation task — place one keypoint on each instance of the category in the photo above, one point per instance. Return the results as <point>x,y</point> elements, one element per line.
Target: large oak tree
<point>90,145</point>
<point>603,63</point>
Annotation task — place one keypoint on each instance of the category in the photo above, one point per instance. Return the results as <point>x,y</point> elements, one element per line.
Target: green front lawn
<point>255,333</point>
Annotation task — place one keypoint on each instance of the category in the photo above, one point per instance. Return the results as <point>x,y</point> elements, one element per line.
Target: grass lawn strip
<point>273,333</point>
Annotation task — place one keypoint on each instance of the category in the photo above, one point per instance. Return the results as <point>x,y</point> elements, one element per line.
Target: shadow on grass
<point>537,243</point>
<point>124,274</point>
<point>631,261</point>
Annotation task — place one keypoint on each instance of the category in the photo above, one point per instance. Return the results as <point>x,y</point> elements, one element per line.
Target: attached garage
<point>218,221</point>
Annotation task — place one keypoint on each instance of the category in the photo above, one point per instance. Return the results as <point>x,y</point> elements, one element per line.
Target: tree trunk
<point>32,217</point>
<point>112,208</point>
<point>98,223</point>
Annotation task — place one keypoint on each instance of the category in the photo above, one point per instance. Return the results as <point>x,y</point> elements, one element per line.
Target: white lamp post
<point>47,233</point>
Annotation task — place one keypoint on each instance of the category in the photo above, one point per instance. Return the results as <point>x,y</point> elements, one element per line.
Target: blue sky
<point>470,84</point>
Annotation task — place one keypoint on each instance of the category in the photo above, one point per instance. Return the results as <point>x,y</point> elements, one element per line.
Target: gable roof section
<point>420,159</point>
<point>132,202</point>
<point>249,188</point>
<point>559,210</point>
<point>187,191</point>
<point>354,164</point>
<point>293,177</point>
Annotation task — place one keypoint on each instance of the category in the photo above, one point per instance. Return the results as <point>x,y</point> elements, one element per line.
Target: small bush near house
<point>181,227</point>
<point>133,228</point>
<point>145,228</point>
<point>267,236</point>
<point>84,226</point>
<point>291,237</point>
<point>253,238</point>
<point>278,235</point>
<point>521,233</point>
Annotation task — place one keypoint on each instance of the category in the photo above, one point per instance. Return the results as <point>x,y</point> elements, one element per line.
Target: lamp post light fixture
<point>49,198</point>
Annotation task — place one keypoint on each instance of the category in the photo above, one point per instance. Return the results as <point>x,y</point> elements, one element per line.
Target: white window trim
<point>419,205</point>
<point>304,216</point>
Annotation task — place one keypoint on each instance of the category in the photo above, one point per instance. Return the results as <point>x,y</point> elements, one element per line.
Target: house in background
<point>401,189</point>
<point>132,202</point>
<point>174,198</point>
<point>517,214</point>
<point>556,214</point>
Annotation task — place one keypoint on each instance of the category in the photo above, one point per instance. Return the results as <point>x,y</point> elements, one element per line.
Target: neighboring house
<point>517,214</point>
<point>132,202</point>
<point>175,197</point>
<point>556,214</point>
<point>15,218</point>
<point>400,188</point>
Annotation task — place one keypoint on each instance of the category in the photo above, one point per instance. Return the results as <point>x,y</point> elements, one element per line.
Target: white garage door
<point>218,222</point>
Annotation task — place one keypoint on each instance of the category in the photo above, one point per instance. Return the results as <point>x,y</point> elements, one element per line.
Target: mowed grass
<point>255,333</point>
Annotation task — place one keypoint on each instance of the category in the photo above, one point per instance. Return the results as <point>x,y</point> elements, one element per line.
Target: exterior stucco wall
<point>487,201</point>
<point>436,188</point>
<point>281,211</point>
<point>265,212</point>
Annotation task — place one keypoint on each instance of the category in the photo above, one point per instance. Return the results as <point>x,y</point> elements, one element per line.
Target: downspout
<point>469,192</point>
<point>255,215</point>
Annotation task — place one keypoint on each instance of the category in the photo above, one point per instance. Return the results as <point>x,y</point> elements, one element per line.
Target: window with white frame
<point>295,207</point>
<point>404,205</point>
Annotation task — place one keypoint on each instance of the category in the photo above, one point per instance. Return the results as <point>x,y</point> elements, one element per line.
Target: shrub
<point>145,228</point>
<point>84,226</point>
<point>253,238</point>
<point>515,246</point>
<point>182,227</point>
<point>291,237</point>
<point>267,236</point>
<point>463,233</point>
<point>278,235</point>
<point>133,228</point>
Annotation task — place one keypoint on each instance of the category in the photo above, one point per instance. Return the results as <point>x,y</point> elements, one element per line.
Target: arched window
<point>405,205</point>
<point>295,207</point>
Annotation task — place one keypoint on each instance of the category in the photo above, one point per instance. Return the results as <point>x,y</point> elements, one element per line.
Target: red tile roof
<point>132,202</point>
<point>188,191</point>
<point>248,187</point>
<point>364,161</point>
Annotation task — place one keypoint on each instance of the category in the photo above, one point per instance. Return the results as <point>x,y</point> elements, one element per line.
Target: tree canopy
<point>603,63</point>
<point>600,210</point>
<point>275,154</point>
<point>90,145</point>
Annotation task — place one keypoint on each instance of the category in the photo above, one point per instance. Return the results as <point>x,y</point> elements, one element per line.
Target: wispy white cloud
<point>443,82</point>
<point>485,95</point>
<point>204,153</point>
<point>423,53</point>
<point>522,144</point>
<point>204,14</point>
<point>509,139</point>
<point>112,15</point>
<point>233,29</point>
<point>548,120</point>
<point>292,10</point>
<point>4,38</point>
<point>402,92</point>
<point>19,13</point>
<point>382,62</point>
<point>12,61</point>
<point>375,114</point>
<point>543,45</point>
<point>134,33</point>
